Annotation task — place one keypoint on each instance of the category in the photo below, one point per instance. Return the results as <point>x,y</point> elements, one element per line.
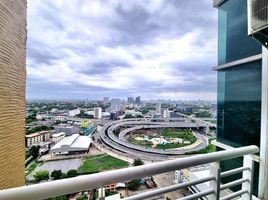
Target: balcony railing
<point>86,182</point>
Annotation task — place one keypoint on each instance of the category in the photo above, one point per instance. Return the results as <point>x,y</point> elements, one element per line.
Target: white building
<point>97,113</point>
<point>74,112</point>
<point>59,118</point>
<point>37,138</point>
<point>89,112</point>
<point>73,144</point>
<point>166,113</point>
<point>133,113</point>
<point>57,137</point>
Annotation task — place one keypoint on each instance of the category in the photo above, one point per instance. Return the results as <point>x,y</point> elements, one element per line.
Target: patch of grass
<point>140,142</point>
<point>101,163</point>
<point>32,167</point>
<point>209,149</point>
<point>183,134</point>
<point>110,192</point>
<point>170,146</point>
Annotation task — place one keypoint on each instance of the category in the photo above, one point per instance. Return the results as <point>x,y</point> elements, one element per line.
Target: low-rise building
<point>67,129</point>
<point>57,137</point>
<point>36,138</point>
<point>73,144</point>
<point>59,118</point>
<point>74,112</point>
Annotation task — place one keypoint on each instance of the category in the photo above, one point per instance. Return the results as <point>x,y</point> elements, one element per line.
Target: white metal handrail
<point>85,182</point>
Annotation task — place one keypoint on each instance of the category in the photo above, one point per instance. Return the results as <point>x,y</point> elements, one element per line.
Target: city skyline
<point>157,50</point>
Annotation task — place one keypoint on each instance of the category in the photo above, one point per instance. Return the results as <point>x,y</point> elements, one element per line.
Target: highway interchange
<point>107,138</point>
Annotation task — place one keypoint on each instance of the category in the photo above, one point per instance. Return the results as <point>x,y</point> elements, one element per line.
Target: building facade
<point>12,92</point>
<point>36,138</point>
<point>74,144</point>
<point>97,113</point>
<point>57,137</point>
<point>240,82</point>
<point>74,112</point>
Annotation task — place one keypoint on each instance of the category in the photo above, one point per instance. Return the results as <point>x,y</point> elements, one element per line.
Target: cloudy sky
<point>158,49</point>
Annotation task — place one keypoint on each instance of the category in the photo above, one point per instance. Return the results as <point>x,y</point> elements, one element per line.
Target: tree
<point>64,197</point>
<point>34,151</point>
<point>71,173</point>
<point>134,184</point>
<point>138,162</point>
<point>56,174</point>
<point>41,175</point>
<point>82,197</point>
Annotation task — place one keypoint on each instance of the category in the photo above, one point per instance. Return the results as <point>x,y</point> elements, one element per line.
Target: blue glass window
<point>234,42</point>
<point>239,105</point>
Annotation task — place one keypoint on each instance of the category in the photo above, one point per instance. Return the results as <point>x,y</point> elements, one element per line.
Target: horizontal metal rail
<point>233,195</point>
<point>233,183</point>
<point>233,171</point>
<point>198,195</point>
<point>169,189</point>
<point>85,182</point>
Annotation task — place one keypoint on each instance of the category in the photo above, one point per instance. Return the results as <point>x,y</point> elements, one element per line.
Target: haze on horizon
<point>156,49</point>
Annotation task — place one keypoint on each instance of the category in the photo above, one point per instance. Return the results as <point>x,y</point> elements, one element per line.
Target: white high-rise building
<point>97,113</point>
<point>166,113</point>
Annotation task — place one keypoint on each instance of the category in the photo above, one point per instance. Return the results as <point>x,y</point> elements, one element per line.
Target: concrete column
<point>12,91</point>
<point>263,175</point>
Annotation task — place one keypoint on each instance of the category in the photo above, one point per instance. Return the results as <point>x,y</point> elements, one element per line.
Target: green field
<point>170,146</point>
<point>31,168</point>
<point>92,164</point>
<point>140,142</point>
<point>167,134</point>
<point>183,134</point>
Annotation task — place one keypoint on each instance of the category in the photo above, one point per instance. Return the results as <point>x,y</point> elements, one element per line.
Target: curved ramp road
<point>108,139</point>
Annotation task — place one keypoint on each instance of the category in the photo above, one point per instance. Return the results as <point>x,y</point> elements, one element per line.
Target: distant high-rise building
<point>97,113</point>
<point>12,97</point>
<point>130,100</point>
<point>138,100</point>
<point>106,100</point>
<point>158,108</point>
<point>115,105</point>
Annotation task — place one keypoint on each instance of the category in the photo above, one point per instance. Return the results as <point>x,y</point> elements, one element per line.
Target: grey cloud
<point>76,38</point>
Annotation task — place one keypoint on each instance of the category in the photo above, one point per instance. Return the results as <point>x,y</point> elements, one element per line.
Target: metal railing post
<point>101,193</point>
<point>249,174</point>
<point>215,171</point>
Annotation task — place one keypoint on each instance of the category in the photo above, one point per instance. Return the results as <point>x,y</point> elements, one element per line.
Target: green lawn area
<point>209,149</point>
<point>31,168</point>
<point>167,134</point>
<point>140,142</point>
<point>183,134</point>
<point>170,146</point>
<point>92,164</point>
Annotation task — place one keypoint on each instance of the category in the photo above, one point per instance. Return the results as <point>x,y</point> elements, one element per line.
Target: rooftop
<point>36,134</point>
<point>74,140</point>
<point>58,134</point>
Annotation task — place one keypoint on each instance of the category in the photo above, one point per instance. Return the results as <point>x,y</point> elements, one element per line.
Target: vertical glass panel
<point>234,42</point>
<point>239,105</point>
